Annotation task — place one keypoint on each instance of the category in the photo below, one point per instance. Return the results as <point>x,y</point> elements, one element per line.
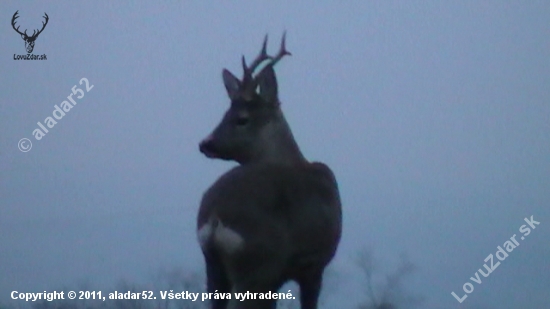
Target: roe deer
<point>273,218</point>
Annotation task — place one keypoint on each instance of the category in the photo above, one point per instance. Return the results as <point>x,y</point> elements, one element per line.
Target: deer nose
<point>205,142</point>
<point>207,147</point>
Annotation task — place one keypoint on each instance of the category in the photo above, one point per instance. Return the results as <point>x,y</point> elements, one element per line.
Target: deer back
<point>290,209</point>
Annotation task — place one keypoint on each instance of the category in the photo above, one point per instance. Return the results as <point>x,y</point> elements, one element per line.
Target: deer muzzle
<point>207,147</point>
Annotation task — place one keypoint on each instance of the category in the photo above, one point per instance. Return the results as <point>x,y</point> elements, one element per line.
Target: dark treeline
<point>388,293</point>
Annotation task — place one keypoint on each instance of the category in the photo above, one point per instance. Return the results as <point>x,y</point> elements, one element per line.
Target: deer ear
<point>268,85</point>
<point>232,84</point>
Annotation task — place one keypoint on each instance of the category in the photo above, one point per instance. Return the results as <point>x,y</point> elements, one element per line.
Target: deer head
<point>254,128</point>
<point>29,40</point>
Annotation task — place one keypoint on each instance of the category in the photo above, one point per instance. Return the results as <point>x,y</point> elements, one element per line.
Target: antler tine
<point>13,22</point>
<point>262,56</point>
<point>43,24</point>
<point>14,17</point>
<point>282,51</point>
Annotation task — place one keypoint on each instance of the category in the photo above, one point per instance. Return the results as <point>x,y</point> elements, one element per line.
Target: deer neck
<point>279,146</point>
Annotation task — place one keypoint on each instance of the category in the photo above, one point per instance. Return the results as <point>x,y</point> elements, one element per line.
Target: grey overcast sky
<point>434,116</point>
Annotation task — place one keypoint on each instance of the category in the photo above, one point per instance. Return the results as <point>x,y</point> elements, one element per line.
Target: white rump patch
<point>204,234</point>
<point>224,237</point>
<point>227,239</point>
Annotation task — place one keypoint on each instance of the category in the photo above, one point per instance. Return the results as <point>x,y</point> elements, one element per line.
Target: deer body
<point>275,217</point>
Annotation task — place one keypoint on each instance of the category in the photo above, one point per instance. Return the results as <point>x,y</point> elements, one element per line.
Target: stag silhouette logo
<point>29,40</point>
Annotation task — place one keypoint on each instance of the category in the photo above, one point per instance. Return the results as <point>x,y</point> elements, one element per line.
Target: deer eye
<point>242,120</point>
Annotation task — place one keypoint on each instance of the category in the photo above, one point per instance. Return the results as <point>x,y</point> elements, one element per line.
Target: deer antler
<point>13,24</point>
<point>34,33</point>
<point>249,71</point>
<point>43,25</point>
<point>282,52</point>
<point>250,82</point>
